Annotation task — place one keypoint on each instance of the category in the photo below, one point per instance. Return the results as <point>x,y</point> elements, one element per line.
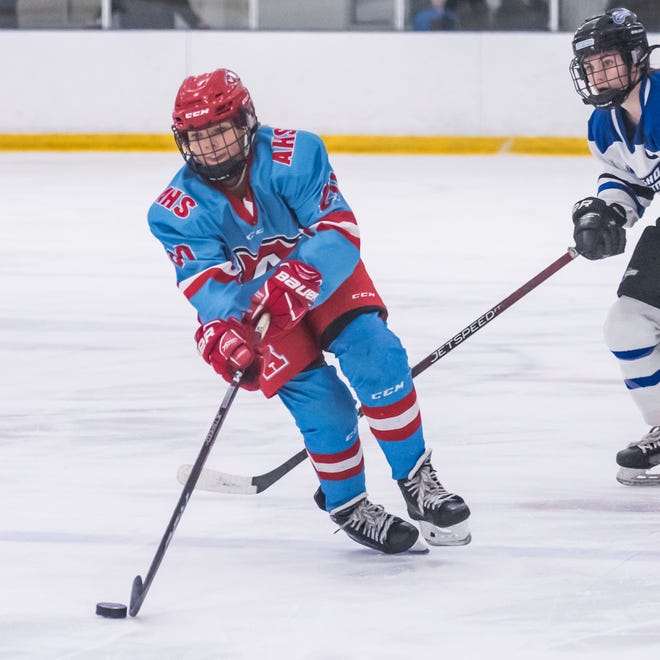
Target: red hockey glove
<point>231,346</point>
<point>287,295</point>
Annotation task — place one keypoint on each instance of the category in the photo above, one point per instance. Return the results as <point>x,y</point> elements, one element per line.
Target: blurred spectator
<point>427,14</point>
<point>154,14</point>
<point>648,12</point>
<point>8,18</point>
<point>521,15</point>
<point>453,15</point>
<point>472,14</point>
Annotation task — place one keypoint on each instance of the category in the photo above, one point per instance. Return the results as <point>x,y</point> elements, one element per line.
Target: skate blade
<point>419,547</point>
<point>635,477</point>
<point>458,534</point>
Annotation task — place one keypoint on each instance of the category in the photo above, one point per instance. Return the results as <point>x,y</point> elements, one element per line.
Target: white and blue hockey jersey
<point>631,175</point>
<point>223,248</point>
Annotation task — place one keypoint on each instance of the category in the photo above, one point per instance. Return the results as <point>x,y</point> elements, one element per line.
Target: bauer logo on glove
<point>286,296</point>
<point>298,287</point>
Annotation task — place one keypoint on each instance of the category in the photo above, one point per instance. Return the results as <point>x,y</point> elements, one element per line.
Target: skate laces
<point>371,520</point>
<point>426,484</point>
<point>650,442</point>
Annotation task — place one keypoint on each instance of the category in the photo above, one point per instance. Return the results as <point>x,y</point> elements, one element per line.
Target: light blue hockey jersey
<point>632,166</point>
<point>223,248</point>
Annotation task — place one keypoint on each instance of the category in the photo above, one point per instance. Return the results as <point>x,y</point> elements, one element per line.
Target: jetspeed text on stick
<point>466,332</point>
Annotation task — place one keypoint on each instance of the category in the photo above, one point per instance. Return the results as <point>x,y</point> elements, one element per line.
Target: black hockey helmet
<point>617,30</point>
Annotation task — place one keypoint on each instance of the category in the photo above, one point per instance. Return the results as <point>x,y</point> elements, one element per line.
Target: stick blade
<point>218,482</point>
<point>137,592</point>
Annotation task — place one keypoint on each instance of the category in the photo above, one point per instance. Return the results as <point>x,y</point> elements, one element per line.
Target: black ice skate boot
<point>441,515</point>
<point>638,458</point>
<point>370,525</point>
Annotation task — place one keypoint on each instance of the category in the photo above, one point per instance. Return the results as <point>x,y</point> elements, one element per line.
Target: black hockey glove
<point>599,231</point>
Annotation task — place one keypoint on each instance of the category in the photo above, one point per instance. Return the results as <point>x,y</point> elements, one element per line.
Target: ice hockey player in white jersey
<point>611,71</point>
<point>254,222</point>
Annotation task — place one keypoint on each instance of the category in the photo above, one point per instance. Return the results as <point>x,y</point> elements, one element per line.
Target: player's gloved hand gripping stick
<point>287,295</point>
<point>230,346</point>
<point>228,483</point>
<point>140,587</point>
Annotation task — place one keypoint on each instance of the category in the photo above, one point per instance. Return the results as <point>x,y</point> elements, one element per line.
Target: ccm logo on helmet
<point>295,285</point>
<point>196,113</point>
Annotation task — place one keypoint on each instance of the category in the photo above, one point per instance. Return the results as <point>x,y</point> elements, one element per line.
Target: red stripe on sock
<point>394,409</point>
<point>397,435</point>
<point>344,474</point>
<point>337,457</point>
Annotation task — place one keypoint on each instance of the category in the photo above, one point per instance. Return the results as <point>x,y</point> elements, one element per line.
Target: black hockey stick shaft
<point>494,312</point>
<point>140,588</point>
<point>263,481</point>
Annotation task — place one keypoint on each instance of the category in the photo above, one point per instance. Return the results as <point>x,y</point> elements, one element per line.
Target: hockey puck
<point>111,610</point>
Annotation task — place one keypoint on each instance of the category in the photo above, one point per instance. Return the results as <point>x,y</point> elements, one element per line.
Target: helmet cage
<point>614,96</point>
<point>213,163</point>
<point>617,31</point>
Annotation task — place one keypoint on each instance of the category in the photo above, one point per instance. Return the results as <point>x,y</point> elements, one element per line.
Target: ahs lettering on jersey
<point>223,248</point>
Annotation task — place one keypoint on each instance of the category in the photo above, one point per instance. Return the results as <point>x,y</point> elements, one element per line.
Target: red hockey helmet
<point>207,100</point>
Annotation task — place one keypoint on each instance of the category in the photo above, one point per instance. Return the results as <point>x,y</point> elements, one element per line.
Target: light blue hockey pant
<point>374,362</point>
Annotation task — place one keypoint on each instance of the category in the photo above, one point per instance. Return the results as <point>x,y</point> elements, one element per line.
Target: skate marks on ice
<point>641,504</point>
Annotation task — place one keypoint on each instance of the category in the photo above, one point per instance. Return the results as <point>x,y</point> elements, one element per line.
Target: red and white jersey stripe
<point>343,222</point>
<point>223,273</point>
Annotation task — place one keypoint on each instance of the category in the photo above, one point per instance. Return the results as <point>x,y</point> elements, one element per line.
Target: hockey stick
<point>229,483</point>
<point>140,588</point>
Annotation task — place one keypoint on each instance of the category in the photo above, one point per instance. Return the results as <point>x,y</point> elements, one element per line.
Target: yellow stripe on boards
<point>450,145</point>
<point>86,142</point>
<point>456,145</point>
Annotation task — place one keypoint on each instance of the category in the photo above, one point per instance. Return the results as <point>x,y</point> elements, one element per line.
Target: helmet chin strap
<point>634,84</point>
<point>241,177</point>
<point>238,182</point>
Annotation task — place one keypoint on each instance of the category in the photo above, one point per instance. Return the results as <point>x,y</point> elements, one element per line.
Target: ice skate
<point>369,524</point>
<point>638,458</point>
<point>442,516</point>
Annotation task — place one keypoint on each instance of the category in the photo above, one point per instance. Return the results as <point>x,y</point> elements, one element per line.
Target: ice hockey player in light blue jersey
<point>255,223</point>
<point>611,71</point>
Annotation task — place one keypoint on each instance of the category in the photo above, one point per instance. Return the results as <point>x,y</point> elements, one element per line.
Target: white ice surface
<point>103,396</point>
